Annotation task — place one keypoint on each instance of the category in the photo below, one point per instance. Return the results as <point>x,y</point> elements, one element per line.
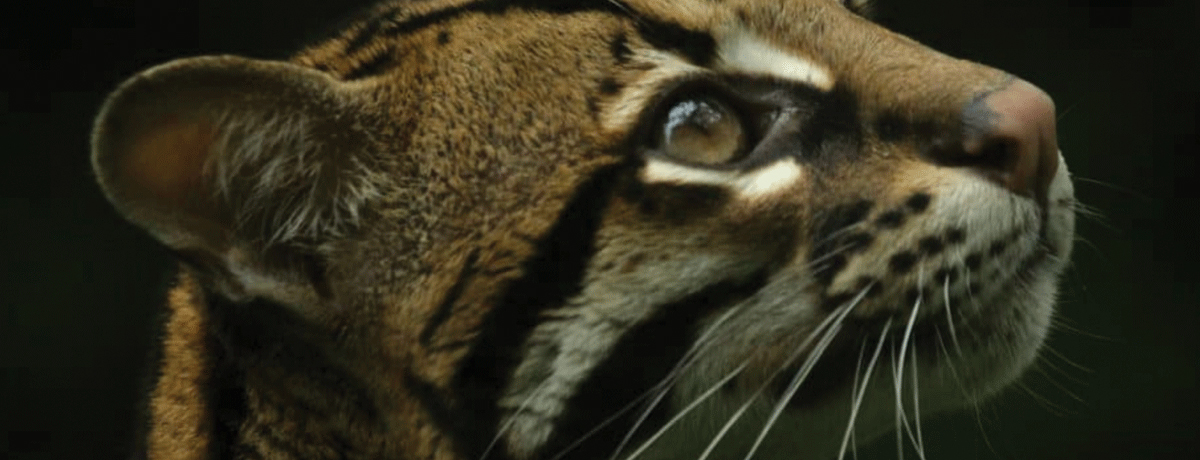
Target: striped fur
<point>445,232</point>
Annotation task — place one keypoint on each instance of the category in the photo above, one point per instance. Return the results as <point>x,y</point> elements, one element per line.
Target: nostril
<point>995,155</point>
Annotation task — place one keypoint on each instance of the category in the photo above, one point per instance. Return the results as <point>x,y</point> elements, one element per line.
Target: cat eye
<point>702,130</point>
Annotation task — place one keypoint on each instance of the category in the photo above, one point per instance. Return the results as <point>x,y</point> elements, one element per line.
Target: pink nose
<point>1009,137</point>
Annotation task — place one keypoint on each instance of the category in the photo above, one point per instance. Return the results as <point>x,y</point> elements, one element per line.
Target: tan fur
<point>365,208</point>
<point>181,422</point>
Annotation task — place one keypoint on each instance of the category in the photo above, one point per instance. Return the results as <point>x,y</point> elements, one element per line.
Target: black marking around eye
<point>833,130</point>
<point>698,47</point>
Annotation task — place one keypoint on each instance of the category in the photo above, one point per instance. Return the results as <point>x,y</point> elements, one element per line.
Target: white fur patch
<point>269,165</point>
<point>758,183</point>
<point>744,52</point>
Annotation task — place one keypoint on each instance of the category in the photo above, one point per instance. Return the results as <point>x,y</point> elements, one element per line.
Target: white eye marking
<point>758,183</point>
<point>768,180</point>
<point>742,51</point>
<point>662,171</point>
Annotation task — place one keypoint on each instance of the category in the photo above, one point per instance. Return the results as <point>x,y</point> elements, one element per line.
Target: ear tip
<point>179,149</point>
<point>150,135</point>
<point>163,94</point>
<point>112,124</point>
<point>184,85</point>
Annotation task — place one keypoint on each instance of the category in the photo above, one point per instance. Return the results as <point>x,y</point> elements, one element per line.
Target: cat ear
<point>241,166</point>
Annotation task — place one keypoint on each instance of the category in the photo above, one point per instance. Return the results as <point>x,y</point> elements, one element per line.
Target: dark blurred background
<point>80,289</point>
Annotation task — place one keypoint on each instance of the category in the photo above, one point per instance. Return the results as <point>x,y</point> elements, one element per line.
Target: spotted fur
<point>449,232</point>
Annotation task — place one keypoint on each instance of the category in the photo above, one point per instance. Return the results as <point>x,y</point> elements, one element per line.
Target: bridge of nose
<point>946,111</point>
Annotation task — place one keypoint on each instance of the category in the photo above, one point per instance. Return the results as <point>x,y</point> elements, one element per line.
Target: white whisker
<point>841,312</point>
<point>831,254</point>
<point>916,390</point>
<point>902,424</point>
<point>837,233</point>
<point>664,387</point>
<point>805,369</point>
<point>1053,408</point>
<point>863,390</point>
<point>508,424</point>
<point>626,408</point>
<point>690,407</point>
<point>858,373</point>
<point>949,362</point>
<point>950,317</point>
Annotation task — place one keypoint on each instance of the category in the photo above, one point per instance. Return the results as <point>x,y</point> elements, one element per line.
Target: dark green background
<point>80,289</point>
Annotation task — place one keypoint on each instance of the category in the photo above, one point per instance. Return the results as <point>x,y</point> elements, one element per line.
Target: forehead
<point>803,41</point>
<point>707,14</point>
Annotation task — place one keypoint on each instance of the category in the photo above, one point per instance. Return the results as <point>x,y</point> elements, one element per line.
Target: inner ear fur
<point>236,162</point>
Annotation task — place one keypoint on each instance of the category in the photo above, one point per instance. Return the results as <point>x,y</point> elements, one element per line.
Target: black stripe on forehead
<point>697,46</point>
<point>376,65</point>
<point>396,21</point>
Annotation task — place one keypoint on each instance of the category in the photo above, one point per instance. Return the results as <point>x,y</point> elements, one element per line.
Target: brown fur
<point>181,427</point>
<point>350,220</point>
